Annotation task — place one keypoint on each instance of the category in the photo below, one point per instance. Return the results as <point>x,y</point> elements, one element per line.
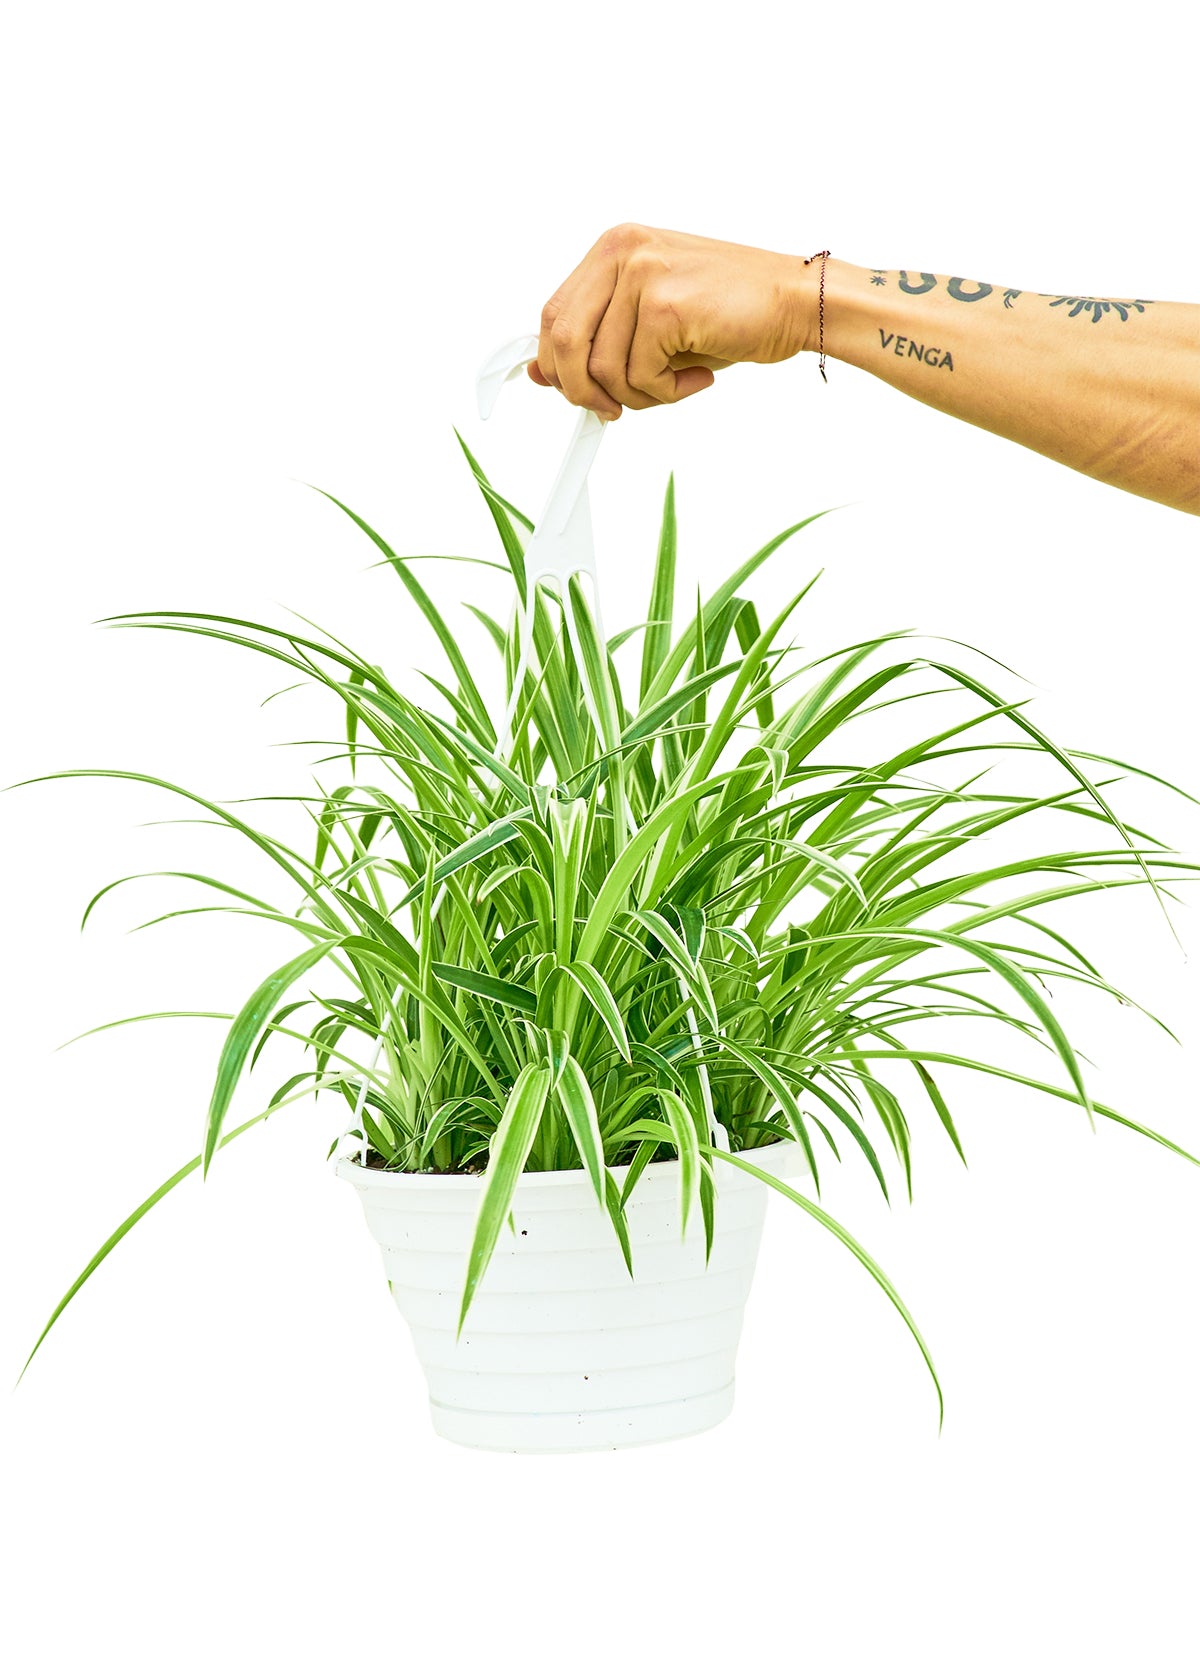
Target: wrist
<point>843,299</point>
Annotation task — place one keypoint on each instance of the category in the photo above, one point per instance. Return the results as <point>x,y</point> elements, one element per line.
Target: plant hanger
<point>561,547</point>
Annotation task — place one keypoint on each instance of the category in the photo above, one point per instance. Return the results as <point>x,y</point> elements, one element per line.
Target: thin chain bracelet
<point>820,313</point>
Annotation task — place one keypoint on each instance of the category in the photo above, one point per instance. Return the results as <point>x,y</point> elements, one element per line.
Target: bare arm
<point>1108,386</point>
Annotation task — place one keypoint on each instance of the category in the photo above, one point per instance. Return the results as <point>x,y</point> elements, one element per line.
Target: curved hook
<point>560,546</point>
<point>501,366</point>
<point>567,491</point>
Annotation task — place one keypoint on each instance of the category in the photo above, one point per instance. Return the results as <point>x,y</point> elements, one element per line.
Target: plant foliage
<point>686,928</point>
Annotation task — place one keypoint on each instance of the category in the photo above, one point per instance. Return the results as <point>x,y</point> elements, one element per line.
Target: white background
<point>253,246</point>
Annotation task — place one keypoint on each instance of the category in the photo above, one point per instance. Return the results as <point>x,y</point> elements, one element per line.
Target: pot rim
<point>355,1173</point>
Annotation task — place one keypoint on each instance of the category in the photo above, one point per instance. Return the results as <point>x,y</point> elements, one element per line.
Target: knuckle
<point>550,313</point>
<point>562,332</point>
<point>657,389</point>
<point>625,236</point>
<point>606,370</point>
<point>646,376</point>
<point>657,304</point>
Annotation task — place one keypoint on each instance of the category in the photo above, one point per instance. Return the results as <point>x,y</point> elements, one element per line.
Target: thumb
<point>688,381</point>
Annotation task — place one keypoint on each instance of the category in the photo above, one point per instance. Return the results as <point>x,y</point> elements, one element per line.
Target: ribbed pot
<point>562,1350</point>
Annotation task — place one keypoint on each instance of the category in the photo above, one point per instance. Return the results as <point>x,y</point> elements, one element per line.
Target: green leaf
<point>278,854</point>
<point>1102,1109</point>
<point>247,1024</point>
<point>643,1156</point>
<point>594,666</point>
<point>651,721</point>
<point>510,1151</point>
<point>449,643</point>
<point>558,1054</point>
<point>173,874</point>
<point>678,656</point>
<point>579,1106</point>
<point>662,598</point>
<point>780,1090</point>
<point>488,840</point>
<point>156,1015</point>
<point>139,1213</point>
<point>1008,971</point>
<point>855,1247</point>
<point>595,989</point>
<point>684,1134</point>
<point>487,986</point>
<point>614,1203</point>
<point>940,1107</point>
<point>695,980</point>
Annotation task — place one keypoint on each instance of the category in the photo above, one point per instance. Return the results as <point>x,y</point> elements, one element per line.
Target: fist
<point>649,315</point>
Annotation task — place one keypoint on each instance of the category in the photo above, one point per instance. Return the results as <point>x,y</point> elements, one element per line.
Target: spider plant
<point>672,916</point>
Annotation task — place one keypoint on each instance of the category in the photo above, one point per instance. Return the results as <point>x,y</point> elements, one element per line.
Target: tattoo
<point>932,355</point>
<point>955,287</point>
<point>1098,306</point>
<point>972,291</point>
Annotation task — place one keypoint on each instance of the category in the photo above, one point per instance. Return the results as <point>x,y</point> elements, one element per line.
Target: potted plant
<point>582,1002</point>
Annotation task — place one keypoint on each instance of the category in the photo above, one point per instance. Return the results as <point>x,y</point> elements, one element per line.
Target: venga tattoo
<point>931,354</point>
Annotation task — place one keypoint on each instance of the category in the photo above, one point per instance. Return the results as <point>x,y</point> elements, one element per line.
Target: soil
<point>376,1162</point>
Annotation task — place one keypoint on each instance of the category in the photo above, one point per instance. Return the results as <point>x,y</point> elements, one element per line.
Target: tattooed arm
<point>1110,387</point>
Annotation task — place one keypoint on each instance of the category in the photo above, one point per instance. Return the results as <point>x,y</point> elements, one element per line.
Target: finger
<point>545,355</point>
<point>553,309</point>
<point>559,307</point>
<point>690,381</point>
<point>609,360</point>
<point>571,337</point>
<point>655,341</point>
<point>535,373</point>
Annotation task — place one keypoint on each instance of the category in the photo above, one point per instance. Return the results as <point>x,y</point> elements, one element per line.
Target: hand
<point>649,314</point>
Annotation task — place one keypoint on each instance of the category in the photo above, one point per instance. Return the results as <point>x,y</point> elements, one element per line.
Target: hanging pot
<point>562,1349</point>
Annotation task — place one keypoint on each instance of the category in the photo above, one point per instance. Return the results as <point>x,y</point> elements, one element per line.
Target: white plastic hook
<point>561,546</point>
<point>501,366</point>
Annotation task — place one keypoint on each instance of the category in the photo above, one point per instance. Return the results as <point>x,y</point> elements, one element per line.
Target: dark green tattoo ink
<point>973,291</point>
<point>1097,306</point>
<point>956,287</point>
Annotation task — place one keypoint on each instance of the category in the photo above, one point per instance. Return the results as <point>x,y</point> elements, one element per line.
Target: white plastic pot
<point>562,1350</point>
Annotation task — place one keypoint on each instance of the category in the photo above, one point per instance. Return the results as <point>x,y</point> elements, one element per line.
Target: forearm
<point>1109,388</point>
